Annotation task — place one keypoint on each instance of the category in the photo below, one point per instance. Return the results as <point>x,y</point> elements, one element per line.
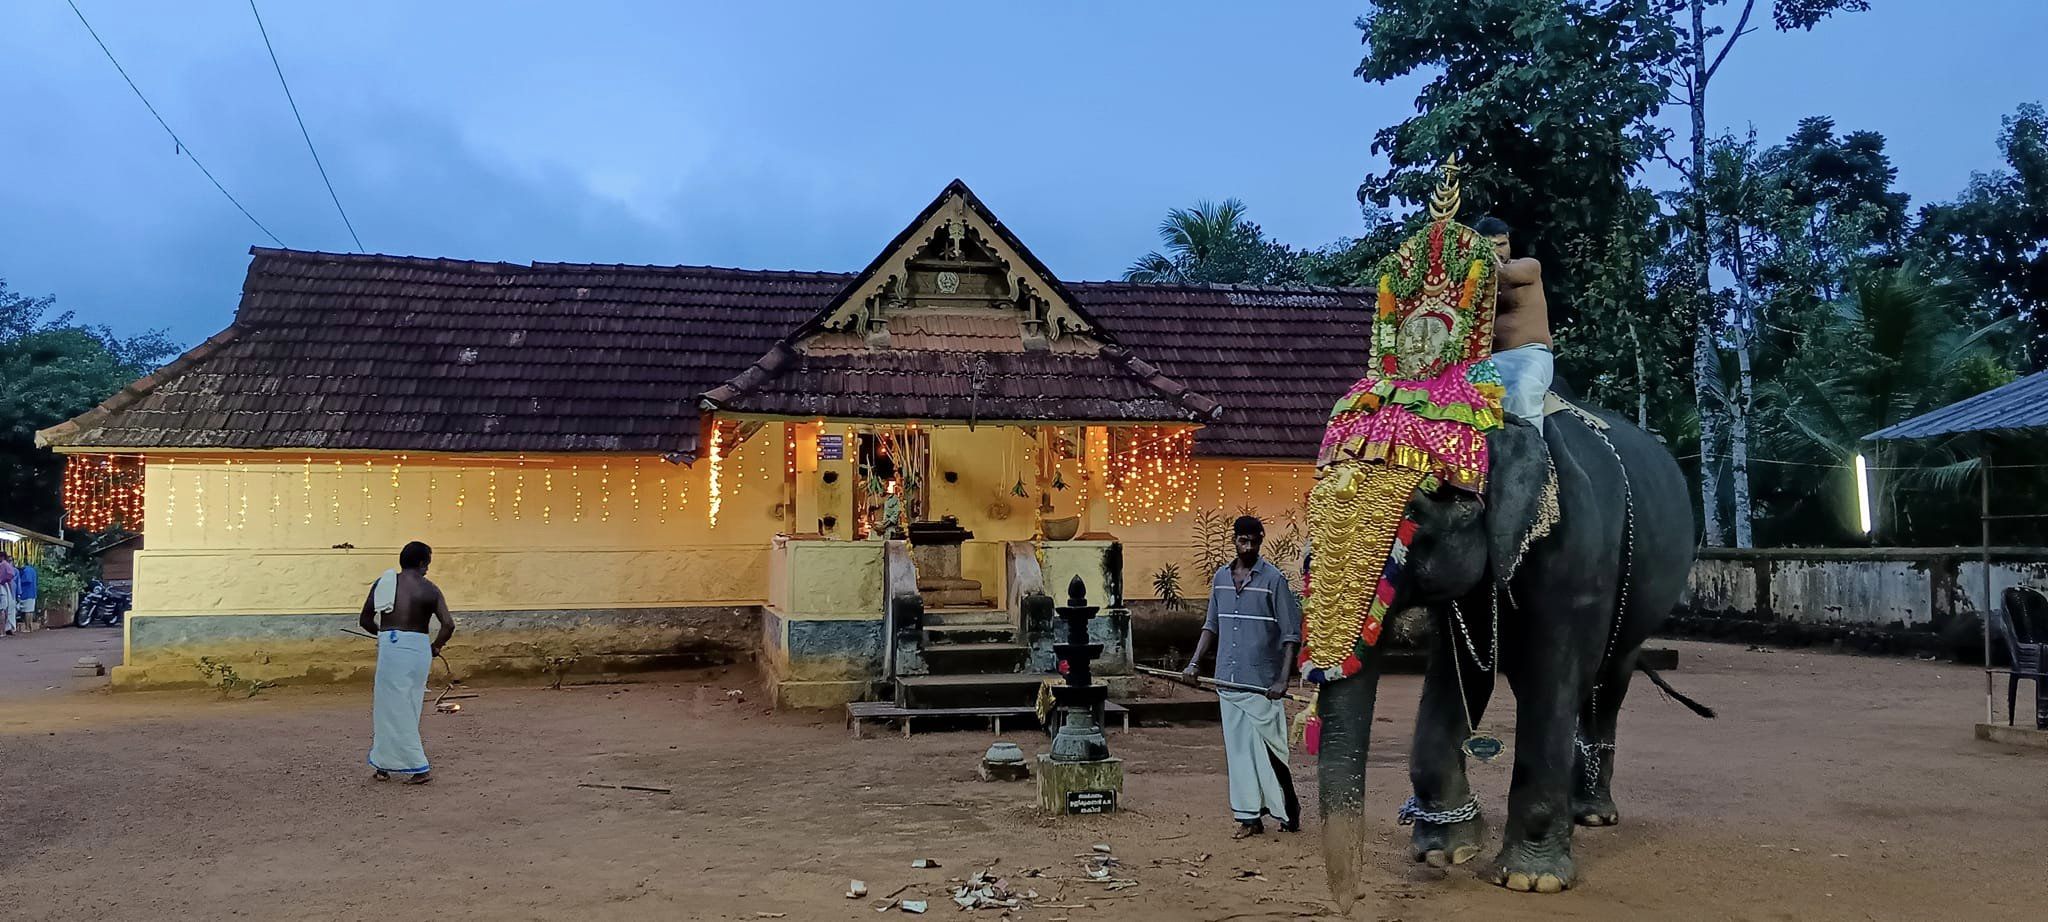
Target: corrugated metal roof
<point>2018,406</point>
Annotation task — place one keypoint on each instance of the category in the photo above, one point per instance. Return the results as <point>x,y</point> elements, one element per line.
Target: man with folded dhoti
<point>401,604</point>
<point>1254,623</point>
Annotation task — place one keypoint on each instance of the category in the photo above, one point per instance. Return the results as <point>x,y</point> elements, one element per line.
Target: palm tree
<point>1193,237</point>
<point>1897,347</point>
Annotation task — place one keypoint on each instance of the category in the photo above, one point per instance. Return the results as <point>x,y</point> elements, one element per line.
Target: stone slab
<point>1058,782</point>
<point>2013,736</point>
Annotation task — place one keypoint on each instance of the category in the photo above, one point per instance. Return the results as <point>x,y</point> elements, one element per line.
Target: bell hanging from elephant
<point>1545,556</point>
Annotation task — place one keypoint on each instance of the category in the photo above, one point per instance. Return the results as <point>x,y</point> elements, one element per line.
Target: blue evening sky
<point>794,135</point>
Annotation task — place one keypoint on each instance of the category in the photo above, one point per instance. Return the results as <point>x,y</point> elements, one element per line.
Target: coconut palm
<point>1211,242</point>
<point>1897,347</point>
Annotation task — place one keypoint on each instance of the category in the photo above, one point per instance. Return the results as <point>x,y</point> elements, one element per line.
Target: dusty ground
<point>1834,787</point>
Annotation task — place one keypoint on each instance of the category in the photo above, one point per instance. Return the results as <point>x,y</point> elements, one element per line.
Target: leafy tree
<point>1696,74</point>
<point>1547,103</point>
<point>1215,242</point>
<point>1899,345</point>
<point>52,369</point>
<point>1995,236</point>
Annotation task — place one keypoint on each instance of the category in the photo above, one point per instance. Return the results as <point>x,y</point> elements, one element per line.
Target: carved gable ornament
<point>957,259</point>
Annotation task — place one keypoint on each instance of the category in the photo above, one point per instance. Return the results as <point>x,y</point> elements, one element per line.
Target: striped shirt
<point>1251,624</point>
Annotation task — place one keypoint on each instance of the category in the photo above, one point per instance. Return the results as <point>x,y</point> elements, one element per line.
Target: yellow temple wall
<point>1172,530</point>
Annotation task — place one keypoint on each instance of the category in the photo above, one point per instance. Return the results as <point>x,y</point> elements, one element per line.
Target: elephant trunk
<point>1346,708</point>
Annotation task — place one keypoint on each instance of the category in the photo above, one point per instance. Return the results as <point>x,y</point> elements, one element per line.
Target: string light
<point>336,495</point>
<point>547,506</point>
<point>367,471</point>
<point>713,491</point>
<point>519,488</point>
<point>199,498</point>
<point>461,496</point>
<point>661,510</point>
<point>491,494</point>
<point>633,490</point>
<point>430,496</point>
<point>306,488</point>
<point>171,495</point>
<point>394,484</point>
<point>101,492</point>
<point>576,490</point>
<point>604,491</point>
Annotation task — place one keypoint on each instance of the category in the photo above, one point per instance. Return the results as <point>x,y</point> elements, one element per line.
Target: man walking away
<point>1521,328</point>
<point>8,603</point>
<point>25,580</point>
<point>404,600</point>
<point>1254,623</point>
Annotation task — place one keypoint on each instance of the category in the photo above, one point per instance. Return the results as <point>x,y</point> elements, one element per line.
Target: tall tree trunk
<point>1738,438</point>
<point>1743,400</point>
<point>1642,380</point>
<point>1706,358</point>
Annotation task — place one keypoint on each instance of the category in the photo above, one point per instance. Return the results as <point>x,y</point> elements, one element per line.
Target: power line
<point>183,148</point>
<point>302,127</point>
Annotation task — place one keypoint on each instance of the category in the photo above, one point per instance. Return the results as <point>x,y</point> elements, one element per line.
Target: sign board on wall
<point>831,448</point>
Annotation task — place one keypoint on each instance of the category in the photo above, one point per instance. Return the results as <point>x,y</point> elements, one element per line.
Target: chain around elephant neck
<point>1491,664</point>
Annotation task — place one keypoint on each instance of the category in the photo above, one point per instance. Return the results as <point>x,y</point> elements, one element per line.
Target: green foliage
<point>1216,243</point>
<point>1212,541</point>
<point>1548,103</point>
<point>1994,237</point>
<point>1166,583</point>
<point>64,576</point>
<point>225,678</point>
<point>51,369</point>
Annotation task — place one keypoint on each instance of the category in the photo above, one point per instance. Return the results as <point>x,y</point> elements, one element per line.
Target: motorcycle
<point>102,605</point>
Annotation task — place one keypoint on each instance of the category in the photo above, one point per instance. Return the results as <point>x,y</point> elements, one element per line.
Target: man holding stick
<point>1254,624</point>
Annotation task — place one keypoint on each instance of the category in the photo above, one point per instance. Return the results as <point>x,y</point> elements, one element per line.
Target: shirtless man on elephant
<point>1521,327</point>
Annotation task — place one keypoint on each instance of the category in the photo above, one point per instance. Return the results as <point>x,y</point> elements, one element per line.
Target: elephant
<point>1564,613</point>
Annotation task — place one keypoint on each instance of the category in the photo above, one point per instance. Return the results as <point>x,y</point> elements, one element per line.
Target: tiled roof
<point>1276,358</point>
<point>334,352</point>
<point>1108,385</point>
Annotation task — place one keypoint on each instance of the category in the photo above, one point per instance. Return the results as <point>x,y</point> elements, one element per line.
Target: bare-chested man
<point>1521,328</point>
<point>405,601</point>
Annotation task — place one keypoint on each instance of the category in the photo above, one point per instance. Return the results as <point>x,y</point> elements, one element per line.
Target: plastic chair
<point>2022,624</point>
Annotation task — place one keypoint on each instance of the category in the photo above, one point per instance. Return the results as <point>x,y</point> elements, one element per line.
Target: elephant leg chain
<point>1590,749</point>
<point>1412,811</point>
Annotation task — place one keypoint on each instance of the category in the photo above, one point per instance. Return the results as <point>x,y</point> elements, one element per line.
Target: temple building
<point>863,480</point>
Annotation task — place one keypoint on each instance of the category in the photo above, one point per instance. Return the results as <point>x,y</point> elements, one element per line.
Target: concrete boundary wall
<point>1917,600</point>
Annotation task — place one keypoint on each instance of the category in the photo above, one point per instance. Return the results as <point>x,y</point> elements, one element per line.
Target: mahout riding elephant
<point>1558,590</point>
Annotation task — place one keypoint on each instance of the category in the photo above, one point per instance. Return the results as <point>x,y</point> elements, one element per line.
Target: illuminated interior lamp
<point>1863,494</point>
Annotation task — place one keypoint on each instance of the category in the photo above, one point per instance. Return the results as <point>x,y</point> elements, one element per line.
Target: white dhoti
<point>1525,377</point>
<point>8,606</point>
<point>403,660</point>
<point>1255,748</point>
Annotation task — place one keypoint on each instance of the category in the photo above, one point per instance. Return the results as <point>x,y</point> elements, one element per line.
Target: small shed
<point>1988,418</point>
<point>29,546</point>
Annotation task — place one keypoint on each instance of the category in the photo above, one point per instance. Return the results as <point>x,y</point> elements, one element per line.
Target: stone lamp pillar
<point>1080,738</point>
<point>1078,776</point>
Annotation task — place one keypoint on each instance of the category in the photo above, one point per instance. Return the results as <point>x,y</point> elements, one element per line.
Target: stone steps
<point>940,635</point>
<point>952,691</point>
<point>968,615</point>
<point>976,658</point>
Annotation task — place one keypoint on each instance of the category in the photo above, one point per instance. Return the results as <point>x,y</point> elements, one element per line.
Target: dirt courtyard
<point>1832,787</point>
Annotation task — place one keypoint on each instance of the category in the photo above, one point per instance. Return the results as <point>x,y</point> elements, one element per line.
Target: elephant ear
<point>1521,494</point>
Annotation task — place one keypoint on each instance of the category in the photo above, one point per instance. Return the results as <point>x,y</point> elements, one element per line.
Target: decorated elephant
<point>1547,553</point>
<point>1556,574</point>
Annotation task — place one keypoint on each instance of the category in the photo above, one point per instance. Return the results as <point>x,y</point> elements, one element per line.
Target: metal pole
<point>1984,495</point>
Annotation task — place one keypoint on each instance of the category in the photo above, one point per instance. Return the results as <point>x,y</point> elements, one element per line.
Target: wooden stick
<point>1211,683</point>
